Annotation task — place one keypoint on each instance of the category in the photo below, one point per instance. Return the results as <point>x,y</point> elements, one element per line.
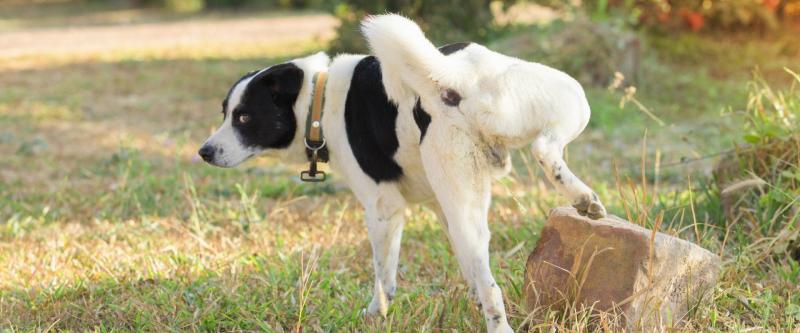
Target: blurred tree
<point>443,20</point>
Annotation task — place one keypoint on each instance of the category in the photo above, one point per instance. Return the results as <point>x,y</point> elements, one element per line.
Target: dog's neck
<point>296,153</point>
<point>314,140</point>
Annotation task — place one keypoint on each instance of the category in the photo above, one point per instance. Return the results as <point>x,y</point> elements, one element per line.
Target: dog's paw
<point>378,306</point>
<point>504,328</point>
<point>596,210</point>
<point>590,206</point>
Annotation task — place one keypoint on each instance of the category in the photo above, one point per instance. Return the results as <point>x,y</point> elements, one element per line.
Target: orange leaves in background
<point>697,15</point>
<point>772,5</point>
<point>694,19</point>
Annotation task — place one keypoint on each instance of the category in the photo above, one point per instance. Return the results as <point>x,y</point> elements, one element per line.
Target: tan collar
<point>316,151</point>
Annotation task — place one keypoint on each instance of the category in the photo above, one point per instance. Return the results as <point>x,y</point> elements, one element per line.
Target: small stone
<point>615,270</point>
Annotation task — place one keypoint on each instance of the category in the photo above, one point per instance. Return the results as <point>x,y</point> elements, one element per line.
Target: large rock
<point>618,271</point>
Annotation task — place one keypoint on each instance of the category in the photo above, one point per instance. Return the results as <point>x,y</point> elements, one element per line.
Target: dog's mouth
<point>225,163</point>
<point>218,164</point>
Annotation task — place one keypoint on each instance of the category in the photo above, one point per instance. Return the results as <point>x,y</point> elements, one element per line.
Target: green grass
<point>109,223</point>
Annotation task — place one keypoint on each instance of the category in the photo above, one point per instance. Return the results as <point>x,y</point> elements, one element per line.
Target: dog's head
<point>259,113</point>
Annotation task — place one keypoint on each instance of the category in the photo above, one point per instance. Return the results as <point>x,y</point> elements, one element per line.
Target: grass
<point>109,223</point>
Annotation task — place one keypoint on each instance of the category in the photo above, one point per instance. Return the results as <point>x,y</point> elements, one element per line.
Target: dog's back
<point>502,97</point>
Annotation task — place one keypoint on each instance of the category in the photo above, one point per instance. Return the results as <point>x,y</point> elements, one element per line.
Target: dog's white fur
<point>506,103</point>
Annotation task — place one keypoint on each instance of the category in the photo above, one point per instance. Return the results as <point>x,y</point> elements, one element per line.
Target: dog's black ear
<point>283,79</point>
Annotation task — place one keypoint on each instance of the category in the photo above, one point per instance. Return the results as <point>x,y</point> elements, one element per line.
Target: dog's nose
<point>207,153</point>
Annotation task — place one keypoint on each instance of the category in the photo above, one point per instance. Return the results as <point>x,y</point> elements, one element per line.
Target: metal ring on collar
<point>305,142</point>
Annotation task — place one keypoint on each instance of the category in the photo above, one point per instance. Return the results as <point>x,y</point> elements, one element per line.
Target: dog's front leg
<point>461,177</point>
<point>384,219</point>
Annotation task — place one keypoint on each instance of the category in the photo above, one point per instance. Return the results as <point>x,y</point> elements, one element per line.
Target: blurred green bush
<point>445,21</point>
<point>760,181</point>
<point>589,51</point>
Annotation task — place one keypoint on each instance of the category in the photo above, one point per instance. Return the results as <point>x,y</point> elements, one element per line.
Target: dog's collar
<point>316,149</point>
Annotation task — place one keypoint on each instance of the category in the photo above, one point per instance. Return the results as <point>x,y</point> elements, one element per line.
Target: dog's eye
<point>243,118</point>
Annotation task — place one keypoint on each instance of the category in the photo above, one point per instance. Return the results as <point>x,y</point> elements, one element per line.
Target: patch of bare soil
<point>70,41</point>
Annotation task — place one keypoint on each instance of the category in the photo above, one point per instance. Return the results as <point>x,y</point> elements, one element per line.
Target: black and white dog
<point>414,124</point>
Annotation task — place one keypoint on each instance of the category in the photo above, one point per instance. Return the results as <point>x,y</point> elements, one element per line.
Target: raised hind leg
<point>549,154</point>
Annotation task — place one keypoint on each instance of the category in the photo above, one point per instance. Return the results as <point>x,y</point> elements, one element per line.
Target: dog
<point>412,124</point>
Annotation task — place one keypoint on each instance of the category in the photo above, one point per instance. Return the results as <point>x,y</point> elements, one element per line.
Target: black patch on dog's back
<point>370,120</point>
<point>452,48</point>
<point>422,118</point>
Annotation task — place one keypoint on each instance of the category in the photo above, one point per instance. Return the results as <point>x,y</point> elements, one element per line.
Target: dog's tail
<point>405,53</point>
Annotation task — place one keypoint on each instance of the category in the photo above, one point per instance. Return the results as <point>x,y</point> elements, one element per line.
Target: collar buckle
<point>313,175</point>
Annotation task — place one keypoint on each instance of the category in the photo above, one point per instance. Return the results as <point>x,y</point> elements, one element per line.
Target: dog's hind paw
<point>505,328</point>
<point>590,206</point>
<point>596,211</point>
<point>378,306</point>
